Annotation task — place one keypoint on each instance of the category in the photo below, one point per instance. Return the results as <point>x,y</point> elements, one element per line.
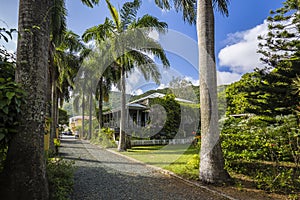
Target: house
<point>138,114</point>
<point>76,121</point>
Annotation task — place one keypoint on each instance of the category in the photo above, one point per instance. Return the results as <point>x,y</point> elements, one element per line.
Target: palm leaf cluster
<point>124,44</point>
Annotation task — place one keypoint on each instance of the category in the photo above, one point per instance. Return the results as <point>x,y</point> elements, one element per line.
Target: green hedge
<point>266,149</point>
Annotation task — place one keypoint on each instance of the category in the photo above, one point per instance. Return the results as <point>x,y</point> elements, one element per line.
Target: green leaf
<point>10,95</point>
<point>2,103</point>
<point>5,110</point>
<point>2,136</point>
<point>37,27</point>
<point>114,13</point>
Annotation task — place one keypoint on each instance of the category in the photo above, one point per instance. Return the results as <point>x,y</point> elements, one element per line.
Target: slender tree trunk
<point>211,157</point>
<point>53,108</point>
<point>90,114</point>
<point>25,159</point>
<point>122,137</point>
<point>56,116</point>
<point>83,110</point>
<point>100,102</point>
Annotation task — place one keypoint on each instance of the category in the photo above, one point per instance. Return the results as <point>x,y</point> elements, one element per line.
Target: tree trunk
<point>122,137</point>
<point>83,109</point>
<point>25,164</point>
<point>53,108</point>
<point>100,102</point>
<point>211,157</point>
<point>90,115</point>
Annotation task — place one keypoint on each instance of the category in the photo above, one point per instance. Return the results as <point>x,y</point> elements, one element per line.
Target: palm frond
<point>58,21</point>
<point>71,42</point>
<point>145,64</point>
<point>115,14</point>
<point>151,46</point>
<point>188,8</point>
<point>90,3</point>
<point>222,6</point>
<point>163,4</point>
<point>99,32</point>
<point>148,21</point>
<point>128,12</point>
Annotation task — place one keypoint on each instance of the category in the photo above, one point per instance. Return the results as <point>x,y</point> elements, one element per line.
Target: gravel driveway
<point>101,174</point>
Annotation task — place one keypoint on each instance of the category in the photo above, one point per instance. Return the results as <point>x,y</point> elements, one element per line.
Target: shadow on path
<point>103,175</point>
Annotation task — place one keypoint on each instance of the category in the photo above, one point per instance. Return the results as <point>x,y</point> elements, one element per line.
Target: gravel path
<point>101,174</point>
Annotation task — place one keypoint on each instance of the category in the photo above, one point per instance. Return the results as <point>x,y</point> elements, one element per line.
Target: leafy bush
<point>104,137</point>
<point>60,178</point>
<point>266,149</point>
<point>11,97</point>
<point>194,162</point>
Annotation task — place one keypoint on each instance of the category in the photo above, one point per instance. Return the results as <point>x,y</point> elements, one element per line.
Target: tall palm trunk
<point>90,114</point>
<point>211,157</point>
<point>25,159</point>
<point>83,117</point>
<point>54,107</point>
<point>122,137</point>
<point>100,103</point>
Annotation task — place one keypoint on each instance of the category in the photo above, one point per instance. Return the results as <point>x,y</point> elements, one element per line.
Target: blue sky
<point>235,36</point>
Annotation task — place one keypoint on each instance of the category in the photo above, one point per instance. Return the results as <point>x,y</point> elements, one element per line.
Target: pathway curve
<point>101,174</point>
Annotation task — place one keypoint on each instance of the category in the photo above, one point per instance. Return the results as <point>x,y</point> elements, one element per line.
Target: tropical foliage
<point>11,97</point>
<point>131,45</point>
<point>268,141</point>
<point>266,149</point>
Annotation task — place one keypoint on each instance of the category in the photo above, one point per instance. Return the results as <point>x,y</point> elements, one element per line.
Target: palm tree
<point>130,45</point>
<point>125,22</point>
<point>211,157</point>
<point>57,28</point>
<point>80,102</point>
<point>25,164</point>
<point>101,59</point>
<point>63,43</point>
<point>212,161</point>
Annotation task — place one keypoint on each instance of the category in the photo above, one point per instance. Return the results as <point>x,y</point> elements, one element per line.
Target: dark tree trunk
<point>25,164</point>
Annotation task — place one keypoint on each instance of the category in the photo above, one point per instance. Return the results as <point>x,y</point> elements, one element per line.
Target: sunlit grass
<point>175,158</point>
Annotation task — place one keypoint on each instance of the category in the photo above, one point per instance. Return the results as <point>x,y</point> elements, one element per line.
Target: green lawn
<point>180,159</point>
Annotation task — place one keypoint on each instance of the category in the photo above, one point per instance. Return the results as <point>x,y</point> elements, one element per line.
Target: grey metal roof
<point>159,95</point>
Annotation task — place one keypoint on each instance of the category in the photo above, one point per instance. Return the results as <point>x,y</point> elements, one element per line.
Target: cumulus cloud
<point>137,92</point>
<point>226,78</point>
<point>240,54</point>
<point>192,80</point>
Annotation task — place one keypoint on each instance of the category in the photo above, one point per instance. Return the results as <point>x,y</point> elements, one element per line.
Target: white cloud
<point>240,55</point>
<point>137,92</point>
<point>193,81</point>
<point>226,78</point>
<point>162,86</point>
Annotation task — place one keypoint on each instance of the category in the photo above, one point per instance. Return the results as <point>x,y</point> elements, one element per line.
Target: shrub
<point>194,162</point>
<point>266,149</point>
<point>60,177</point>
<point>11,101</point>
<point>104,137</point>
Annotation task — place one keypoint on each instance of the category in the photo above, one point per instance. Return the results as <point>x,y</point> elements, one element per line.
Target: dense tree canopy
<point>270,91</point>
